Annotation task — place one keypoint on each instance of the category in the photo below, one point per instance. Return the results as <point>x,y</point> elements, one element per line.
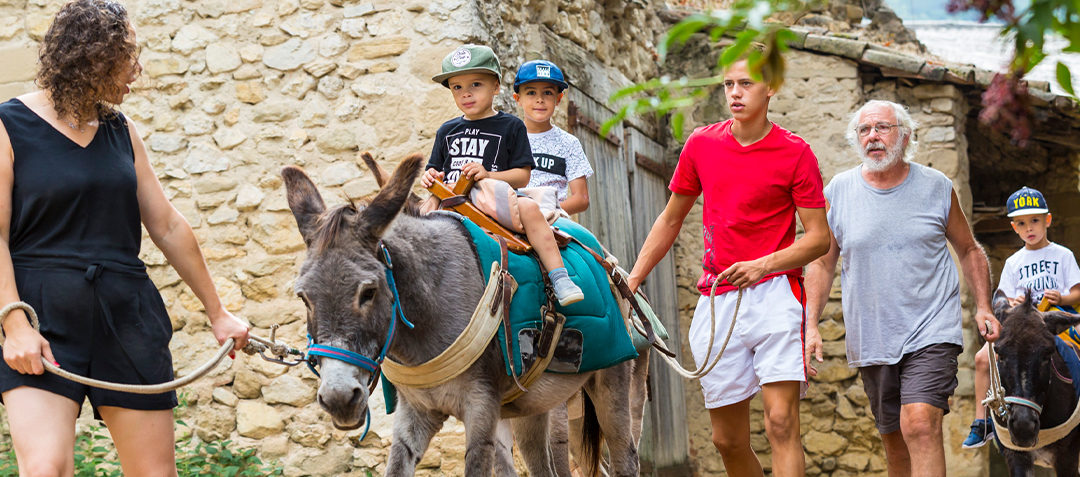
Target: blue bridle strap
<point>399,313</point>
<point>1024,402</point>
<point>356,359</point>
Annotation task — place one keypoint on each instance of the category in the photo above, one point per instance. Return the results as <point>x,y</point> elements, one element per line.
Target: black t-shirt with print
<point>500,143</point>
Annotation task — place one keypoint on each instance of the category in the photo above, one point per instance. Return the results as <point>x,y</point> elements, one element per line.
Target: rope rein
<point>256,345</point>
<point>706,366</point>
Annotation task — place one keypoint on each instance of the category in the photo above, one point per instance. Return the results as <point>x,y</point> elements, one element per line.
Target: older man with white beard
<point>891,221</point>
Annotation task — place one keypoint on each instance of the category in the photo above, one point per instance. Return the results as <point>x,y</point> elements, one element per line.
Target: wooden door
<point>627,192</point>
<point>608,215</point>
<point>664,441</point>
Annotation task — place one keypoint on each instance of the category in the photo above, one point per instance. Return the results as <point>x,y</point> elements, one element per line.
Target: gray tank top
<point>900,287</point>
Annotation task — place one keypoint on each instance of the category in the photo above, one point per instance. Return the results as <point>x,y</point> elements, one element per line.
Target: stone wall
<point>232,90</point>
<point>815,102</point>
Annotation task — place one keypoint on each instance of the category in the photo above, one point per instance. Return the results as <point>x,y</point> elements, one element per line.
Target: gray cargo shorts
<point>927,375</point>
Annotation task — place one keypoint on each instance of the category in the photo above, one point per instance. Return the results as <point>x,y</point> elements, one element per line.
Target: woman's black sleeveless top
<point>72,206</point>
<point>74,241</point>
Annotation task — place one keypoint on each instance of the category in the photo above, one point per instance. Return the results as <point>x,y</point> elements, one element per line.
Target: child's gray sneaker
<point>566,291</point>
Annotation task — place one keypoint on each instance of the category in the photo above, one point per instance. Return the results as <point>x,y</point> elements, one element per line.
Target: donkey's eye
<point>367,295</point>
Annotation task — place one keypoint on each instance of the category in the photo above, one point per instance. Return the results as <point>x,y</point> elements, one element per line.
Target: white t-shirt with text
<point>557,159</point>
<point>1052,267</point>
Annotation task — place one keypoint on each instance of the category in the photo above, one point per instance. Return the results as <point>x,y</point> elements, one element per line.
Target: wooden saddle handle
<point>457,199</point>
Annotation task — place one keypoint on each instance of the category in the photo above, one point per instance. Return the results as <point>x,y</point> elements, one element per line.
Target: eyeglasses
<point>882,128</point>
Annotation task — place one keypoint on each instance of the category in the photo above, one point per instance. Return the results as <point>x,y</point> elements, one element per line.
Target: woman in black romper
<point>75,183</point>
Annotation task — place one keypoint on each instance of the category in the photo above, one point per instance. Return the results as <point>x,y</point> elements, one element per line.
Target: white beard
<point>892,156</point>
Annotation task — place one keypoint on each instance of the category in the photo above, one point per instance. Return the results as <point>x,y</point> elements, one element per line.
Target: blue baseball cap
<point>540,70</point>
<point>1026,201</point>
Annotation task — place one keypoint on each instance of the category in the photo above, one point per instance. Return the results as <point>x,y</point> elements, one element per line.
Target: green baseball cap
<point>468,59</point>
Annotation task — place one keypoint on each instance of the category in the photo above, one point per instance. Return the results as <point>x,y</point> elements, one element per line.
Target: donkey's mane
<point>331,222</point>
<point>1024,324</point>
<point>1024,329</point>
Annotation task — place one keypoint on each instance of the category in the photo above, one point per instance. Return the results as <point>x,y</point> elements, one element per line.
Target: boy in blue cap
<point>488,144</point>
<point>558,159</point>
<point>1047,269</point>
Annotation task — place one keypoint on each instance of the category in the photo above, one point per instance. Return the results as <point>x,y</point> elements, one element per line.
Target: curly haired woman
<point>75,183</point>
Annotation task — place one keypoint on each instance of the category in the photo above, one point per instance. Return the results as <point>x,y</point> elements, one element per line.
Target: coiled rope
<point>706,366</point>
<point>255,345</point>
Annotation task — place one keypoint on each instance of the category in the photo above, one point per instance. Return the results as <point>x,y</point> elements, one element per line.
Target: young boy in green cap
<point>488,144</point>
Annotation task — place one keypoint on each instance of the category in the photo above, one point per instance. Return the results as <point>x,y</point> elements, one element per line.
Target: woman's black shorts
<point>103,323</point>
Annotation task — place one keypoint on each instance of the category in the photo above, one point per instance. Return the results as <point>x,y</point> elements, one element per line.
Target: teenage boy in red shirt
<point>755,176</point>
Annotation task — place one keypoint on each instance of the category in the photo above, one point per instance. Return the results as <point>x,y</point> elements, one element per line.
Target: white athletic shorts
<point>765,347</point>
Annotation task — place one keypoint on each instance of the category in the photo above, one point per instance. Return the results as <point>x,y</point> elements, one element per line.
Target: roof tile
<point>837,46</point>
<point>894,60</point>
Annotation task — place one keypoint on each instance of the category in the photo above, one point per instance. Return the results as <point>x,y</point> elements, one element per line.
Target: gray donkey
<point>343,283</point>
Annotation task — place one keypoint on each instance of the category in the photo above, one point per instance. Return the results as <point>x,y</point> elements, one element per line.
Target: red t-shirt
<point>750,194</point>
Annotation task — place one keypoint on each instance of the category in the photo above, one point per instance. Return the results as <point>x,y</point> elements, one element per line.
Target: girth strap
<point>550,332</point>
<point>506,298</point>
<point>465,350</point>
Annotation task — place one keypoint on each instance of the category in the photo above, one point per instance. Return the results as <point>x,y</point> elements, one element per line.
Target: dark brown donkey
<point>343,283</point>
<point>1038,386</point>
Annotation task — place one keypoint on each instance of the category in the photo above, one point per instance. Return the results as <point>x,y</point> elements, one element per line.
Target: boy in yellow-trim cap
<point>1047,269</point>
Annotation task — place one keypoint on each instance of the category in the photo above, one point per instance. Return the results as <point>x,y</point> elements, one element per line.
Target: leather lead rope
<point>255,345</point>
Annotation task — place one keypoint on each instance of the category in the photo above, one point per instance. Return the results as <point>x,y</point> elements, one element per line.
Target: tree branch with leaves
<point>1006,101</point>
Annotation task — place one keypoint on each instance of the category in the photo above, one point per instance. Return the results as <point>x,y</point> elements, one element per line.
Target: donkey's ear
<point>304,200</point>
<point>382,177</point>
<point>1001,304</point>
<point>375,218</point>
<point>1058,321</point>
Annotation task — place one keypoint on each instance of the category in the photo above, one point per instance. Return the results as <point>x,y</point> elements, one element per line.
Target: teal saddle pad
<point>594,335</point>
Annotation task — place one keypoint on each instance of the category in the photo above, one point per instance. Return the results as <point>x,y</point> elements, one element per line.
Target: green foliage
<point>95,457</point>
<point>745,21</point>
<point>215,458</point>
<point>1064,78</point>
<point>1031,28</point>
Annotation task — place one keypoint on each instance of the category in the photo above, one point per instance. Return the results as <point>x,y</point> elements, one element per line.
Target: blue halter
<point>357,359</point>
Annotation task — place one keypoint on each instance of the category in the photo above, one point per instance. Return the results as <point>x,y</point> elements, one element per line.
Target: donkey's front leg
<point>481,418</point>
<point>1020,463</point>
<point>413,430</point>
<point>1065,459</point>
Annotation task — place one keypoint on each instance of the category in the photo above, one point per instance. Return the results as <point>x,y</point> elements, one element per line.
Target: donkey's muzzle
<point>1023,426</point>
<point>342,394</point>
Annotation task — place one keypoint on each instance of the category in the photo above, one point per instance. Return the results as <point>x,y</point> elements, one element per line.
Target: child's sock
<point>557,273</point>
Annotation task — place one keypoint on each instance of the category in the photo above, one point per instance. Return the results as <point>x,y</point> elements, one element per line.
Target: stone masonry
<point>233,90</point>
